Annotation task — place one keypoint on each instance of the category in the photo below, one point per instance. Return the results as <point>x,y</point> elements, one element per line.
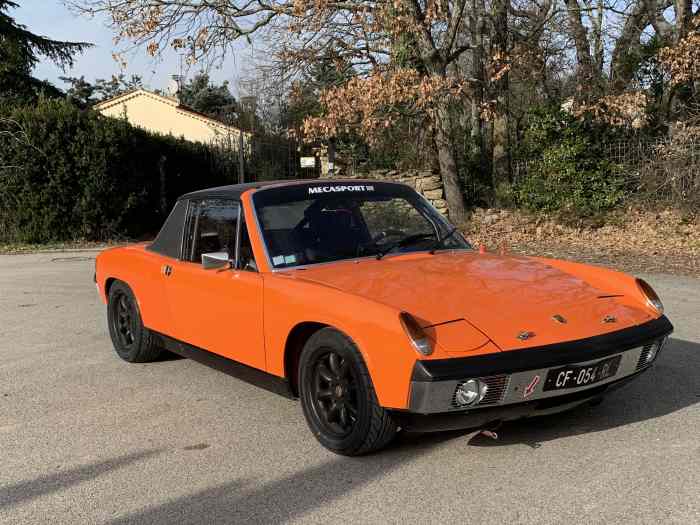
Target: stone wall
<point>425,182</point>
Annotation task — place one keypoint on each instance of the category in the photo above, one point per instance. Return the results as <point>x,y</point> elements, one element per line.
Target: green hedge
<point>68,174</point>
<point>567,179</point>
<point>566,168</point>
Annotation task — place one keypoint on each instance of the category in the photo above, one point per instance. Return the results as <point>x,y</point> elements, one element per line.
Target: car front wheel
<point>338,398</point>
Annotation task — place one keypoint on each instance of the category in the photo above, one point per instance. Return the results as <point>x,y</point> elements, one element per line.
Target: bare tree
<point>426,62</point>
<point>363,34</point>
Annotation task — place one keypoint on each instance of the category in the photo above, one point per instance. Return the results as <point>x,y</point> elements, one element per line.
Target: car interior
<point>326,232</point>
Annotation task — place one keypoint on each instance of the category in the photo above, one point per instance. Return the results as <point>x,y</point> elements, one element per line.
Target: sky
<point>53,19</point>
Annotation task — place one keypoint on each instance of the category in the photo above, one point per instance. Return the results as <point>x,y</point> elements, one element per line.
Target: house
<point>167,115</point>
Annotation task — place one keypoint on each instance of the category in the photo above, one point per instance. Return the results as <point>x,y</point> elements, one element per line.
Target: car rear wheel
<point>132,341</point>
<point>338,398</point>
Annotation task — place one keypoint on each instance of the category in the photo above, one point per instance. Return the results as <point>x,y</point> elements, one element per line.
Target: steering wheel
<point>384,234</point>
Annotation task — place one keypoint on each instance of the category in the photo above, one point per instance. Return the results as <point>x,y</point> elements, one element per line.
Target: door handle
<point>167,270</point>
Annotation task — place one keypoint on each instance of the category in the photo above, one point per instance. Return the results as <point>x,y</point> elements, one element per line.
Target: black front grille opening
<point>646,350</point>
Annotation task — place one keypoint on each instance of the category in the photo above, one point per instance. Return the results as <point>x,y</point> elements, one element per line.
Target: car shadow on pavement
<point>672,384</point>
<point>23,491</point>
<point>166,355</point>
<point>281,500</point>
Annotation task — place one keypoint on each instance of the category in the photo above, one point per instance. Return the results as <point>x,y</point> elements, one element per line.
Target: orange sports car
<point>360,299</point>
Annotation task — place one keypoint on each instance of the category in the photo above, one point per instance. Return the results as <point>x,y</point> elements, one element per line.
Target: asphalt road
<point>88,438</point>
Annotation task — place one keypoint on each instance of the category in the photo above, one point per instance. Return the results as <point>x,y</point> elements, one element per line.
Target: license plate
<point>575,376</point>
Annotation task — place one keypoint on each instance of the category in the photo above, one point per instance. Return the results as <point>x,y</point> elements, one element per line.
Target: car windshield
<point>332,221</point>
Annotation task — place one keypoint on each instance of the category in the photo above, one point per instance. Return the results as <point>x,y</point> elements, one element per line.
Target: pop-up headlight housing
<point>650,295</point>
<point>419,339</point>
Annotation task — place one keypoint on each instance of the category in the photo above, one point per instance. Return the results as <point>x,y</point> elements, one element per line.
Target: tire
<point>332,374</point>
<point>132,341</point>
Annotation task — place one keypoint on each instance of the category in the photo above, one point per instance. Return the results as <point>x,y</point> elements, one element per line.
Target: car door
<point>219,310</point>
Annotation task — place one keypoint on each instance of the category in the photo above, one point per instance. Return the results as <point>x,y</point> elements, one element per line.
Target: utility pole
<point>331,157</point>
<point>241,163</point>
<point>249,104</point>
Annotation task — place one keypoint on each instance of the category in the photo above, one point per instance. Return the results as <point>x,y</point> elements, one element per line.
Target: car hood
<point>502,296</point>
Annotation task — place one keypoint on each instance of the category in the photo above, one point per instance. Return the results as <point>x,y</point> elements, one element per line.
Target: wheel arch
<point>108,284</point>
<point>296,339</point>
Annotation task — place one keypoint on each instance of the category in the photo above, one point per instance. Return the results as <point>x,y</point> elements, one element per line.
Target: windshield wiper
<point>440,241</point>
<point>381,252</point>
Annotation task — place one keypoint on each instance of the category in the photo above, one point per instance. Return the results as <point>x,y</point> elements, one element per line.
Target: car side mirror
<point>215,260</point>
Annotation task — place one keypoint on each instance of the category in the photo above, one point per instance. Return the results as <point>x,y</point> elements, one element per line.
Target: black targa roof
<point>169,239</point>
<point>234,191</point>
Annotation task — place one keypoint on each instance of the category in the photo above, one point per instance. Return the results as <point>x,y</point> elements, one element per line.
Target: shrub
<point>566,170</point>
<point>68,174</point>
<point>669,176</point>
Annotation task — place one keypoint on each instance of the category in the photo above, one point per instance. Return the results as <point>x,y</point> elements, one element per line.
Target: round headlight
<point>650,295</point>
<point>470,392</point>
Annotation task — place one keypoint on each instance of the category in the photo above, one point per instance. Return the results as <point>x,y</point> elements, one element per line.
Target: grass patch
<point>20,248</point>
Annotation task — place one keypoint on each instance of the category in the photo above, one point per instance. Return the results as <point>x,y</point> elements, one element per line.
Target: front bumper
<point>516,378</point>
<point>493,416</point>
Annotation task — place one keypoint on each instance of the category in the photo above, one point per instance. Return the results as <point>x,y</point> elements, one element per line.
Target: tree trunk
<point>628,44</point>
<point>684,13</point>
<point>476,30</point>
<point>598,42</point>
<point>501,136</point>
<point>476,146</point>
<point>436,63</point>
<point>448,166</point>
<point>501,144</point>
<point>587,81</point>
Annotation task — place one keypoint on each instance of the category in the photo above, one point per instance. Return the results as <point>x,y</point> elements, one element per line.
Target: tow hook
<point>491,431</point>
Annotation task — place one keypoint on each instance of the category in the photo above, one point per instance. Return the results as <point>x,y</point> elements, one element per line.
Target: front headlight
<point>470,392</point>
<point>415,333</point>
<point>650,295</point>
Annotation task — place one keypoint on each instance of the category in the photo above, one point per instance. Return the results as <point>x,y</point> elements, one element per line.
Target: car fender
<point>372,326</point>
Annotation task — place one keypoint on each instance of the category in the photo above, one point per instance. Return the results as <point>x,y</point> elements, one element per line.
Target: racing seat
<point>337,233</point>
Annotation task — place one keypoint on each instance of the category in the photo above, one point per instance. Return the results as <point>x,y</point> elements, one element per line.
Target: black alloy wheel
<point>338,398</point>
<point>335,393</point>
<point>124,320</point>
<point>132,341</point>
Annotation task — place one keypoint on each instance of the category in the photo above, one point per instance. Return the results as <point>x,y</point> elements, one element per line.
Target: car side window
<point>211,227</point>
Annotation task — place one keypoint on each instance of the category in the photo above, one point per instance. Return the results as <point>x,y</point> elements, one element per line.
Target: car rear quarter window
<point>169,239</point>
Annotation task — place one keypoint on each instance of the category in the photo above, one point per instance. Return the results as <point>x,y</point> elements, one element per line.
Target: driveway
<point>88,438</point>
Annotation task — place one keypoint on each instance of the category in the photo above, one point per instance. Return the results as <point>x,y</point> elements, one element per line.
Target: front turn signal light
<point>416,334</point>
<point>650,295</point>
